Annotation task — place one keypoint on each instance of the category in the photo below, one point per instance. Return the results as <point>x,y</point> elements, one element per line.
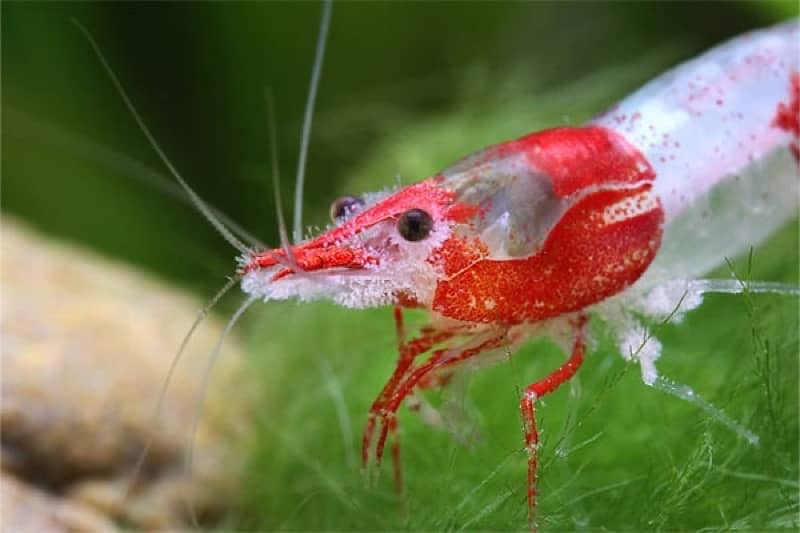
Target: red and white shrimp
<point>530,236</point>
<point>616,218</point>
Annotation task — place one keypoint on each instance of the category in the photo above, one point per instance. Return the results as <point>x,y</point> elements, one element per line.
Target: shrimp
<point>530,237</point>
<point>617,218</point>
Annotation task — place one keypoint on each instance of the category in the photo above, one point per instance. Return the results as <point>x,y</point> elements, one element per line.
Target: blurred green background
<point>406,89</point>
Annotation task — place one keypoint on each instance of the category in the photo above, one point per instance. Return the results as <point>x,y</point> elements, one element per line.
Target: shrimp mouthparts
<point>305,259</point>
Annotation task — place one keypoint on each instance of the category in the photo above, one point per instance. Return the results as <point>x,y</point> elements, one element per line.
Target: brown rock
<point>28,509</point>
<point>86,345</point>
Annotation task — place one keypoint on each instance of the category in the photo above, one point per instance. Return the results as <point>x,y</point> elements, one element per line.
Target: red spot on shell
<point>584,260</point>
<point>600,246</point>
<point>787,116</point>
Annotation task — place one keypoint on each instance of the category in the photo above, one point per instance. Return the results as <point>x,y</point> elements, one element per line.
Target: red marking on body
<point>577,158</point>
<point>458,254</point>
<point>325,258</point>
<point>787,116</point>
<point>331,249</point>
<point>586,257</point>
<point>583,261</point>
<point>602,244</point>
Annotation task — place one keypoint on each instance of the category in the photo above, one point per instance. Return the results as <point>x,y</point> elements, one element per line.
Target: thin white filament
<point>339,405</point>
<point>734,286</point>
<point>201,315</point>
<point>196,200</point>
<point>316,71</point>
<point>276,185</point>
<point>200,400</point>
<point>687,393</point>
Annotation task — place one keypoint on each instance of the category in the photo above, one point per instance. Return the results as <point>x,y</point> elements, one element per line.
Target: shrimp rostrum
<point>531,236</point>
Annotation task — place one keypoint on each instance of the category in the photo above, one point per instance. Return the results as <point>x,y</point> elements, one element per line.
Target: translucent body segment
<point>711,129</point>
<point>516,205</point>
<point>710,118</point>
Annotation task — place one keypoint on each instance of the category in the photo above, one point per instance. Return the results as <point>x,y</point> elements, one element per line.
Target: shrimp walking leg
<point>538,389</point>
<point>399,327</point>
<point>387,414</point>
<point>408,352</point>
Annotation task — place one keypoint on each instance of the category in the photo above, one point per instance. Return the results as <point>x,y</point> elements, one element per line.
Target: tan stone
<point>28,509</point>
<point>86,345</point>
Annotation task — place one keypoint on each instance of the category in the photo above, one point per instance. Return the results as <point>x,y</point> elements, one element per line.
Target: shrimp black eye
<point>344,206</point>
<point>415,225</point>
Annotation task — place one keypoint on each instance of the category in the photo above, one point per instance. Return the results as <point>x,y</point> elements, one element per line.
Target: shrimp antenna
<point>212,359</point>
<point>735,286</point>
<point>297,231</point>
<point>201,206</point>
<point>730,286</point>
<point>718,415</point>
<point>276,179</point>
<point>201,315</point>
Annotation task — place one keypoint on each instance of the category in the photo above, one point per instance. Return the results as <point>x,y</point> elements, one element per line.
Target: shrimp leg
<point>445,357</point>
<point>541,388</point>
<point>408,352</point>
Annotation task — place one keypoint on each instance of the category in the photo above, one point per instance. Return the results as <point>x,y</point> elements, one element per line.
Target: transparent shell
<point>517,205</point>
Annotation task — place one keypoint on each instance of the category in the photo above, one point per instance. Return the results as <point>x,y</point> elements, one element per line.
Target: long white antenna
<point>201,315</point>
<point>196,200</point>
<point>200,400</point>
<point>276,178</point>
<point>322,39</point>
<point>733,286</point>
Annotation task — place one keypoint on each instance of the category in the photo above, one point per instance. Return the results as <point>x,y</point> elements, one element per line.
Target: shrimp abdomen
<point>721,132</point>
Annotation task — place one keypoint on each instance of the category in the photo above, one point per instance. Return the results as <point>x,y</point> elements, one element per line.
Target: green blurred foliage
<point>407,88</point>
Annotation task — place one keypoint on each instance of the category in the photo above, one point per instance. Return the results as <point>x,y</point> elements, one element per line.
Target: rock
<point>86,346</point>
<point>28,509</point>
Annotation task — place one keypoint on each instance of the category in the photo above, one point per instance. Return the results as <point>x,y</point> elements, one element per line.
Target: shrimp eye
<point>344,206</point>
<point>415,225</point>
